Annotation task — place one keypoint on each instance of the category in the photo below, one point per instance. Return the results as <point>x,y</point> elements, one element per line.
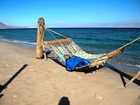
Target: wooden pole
<point>134,77</point>
<point>40,38</point>
<point>112,54</point>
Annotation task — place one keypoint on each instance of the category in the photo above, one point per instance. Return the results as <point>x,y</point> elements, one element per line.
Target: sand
<point>44,82</point>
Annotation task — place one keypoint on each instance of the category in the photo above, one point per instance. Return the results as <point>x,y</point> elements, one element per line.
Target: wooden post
<point>134,77</point>
<point>40,38</point>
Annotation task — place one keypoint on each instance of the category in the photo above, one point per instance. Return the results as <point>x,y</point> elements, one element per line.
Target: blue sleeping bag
<point>74,62</point>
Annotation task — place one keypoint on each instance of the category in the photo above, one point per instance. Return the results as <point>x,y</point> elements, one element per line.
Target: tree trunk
<point>40,38</point>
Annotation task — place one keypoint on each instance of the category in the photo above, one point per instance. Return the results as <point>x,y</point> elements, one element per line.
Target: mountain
<point>4,26</point>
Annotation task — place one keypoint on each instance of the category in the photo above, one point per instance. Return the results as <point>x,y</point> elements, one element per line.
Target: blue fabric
<point>74,62</point>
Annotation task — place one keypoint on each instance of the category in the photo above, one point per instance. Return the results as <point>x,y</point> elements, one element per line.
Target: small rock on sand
<point>98,97</point>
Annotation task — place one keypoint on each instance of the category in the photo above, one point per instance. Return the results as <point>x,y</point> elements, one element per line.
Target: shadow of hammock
<point>83,69</point>
<point>122,75</point>
<point>55,60</point>
<point>94,69</point>
<point>90,70</point>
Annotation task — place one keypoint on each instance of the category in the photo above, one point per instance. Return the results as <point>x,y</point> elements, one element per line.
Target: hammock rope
<point>56,33</point>
<point>130,43</point>
<point>58,41</point>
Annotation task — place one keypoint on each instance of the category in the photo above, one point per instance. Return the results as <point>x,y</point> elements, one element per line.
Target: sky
<point>71,13</point>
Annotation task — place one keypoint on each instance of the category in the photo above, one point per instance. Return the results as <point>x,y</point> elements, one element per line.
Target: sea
<point>96,40</point>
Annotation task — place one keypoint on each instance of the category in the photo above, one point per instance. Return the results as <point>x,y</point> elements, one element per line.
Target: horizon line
<point>65,27</point>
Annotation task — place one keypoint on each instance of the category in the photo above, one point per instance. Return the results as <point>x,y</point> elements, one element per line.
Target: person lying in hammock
<point>75,62</point>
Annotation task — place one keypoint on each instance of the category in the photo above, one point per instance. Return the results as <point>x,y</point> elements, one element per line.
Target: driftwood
<point>40,38</point>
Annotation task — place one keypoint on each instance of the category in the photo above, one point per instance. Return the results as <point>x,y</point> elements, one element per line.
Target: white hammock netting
<point>73,50</point>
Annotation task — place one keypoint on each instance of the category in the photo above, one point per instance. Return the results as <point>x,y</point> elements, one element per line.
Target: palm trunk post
<point>40,38</point>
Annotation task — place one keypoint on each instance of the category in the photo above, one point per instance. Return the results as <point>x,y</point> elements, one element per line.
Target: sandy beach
<point>44,82</point>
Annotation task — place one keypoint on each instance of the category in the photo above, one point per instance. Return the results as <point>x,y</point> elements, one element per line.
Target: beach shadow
<point>64,101</point>
<point>4,86</point>
<point>55,60</point>
<point>49,55</point>
<point>88,70</point>
<point>1,95</point>
<point>122,75</point>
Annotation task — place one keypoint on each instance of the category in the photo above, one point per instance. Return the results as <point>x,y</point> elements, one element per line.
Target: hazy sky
<point>71,13</point>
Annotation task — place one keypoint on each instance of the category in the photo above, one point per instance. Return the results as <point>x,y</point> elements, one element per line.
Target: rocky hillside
<point>4,26</point>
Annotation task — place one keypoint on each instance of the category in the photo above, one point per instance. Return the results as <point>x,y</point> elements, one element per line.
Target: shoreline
<point>97,40</point>
<point>45,79</point>
<point>23,43</point>
<point>131,70</point>
<point>120,65</point>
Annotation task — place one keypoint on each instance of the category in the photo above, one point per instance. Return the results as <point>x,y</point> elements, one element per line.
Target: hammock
<point>67,46</point>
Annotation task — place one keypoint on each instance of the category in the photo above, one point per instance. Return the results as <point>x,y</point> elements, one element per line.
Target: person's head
<point>67,56</point>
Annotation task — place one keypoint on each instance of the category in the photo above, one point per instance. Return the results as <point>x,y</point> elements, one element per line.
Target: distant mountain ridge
<point>4,26</point>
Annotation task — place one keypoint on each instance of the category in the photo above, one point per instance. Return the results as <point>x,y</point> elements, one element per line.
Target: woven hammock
<point>67,46</point>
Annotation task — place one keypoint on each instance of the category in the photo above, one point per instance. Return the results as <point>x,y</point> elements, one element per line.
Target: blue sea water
<point>99,40</point>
